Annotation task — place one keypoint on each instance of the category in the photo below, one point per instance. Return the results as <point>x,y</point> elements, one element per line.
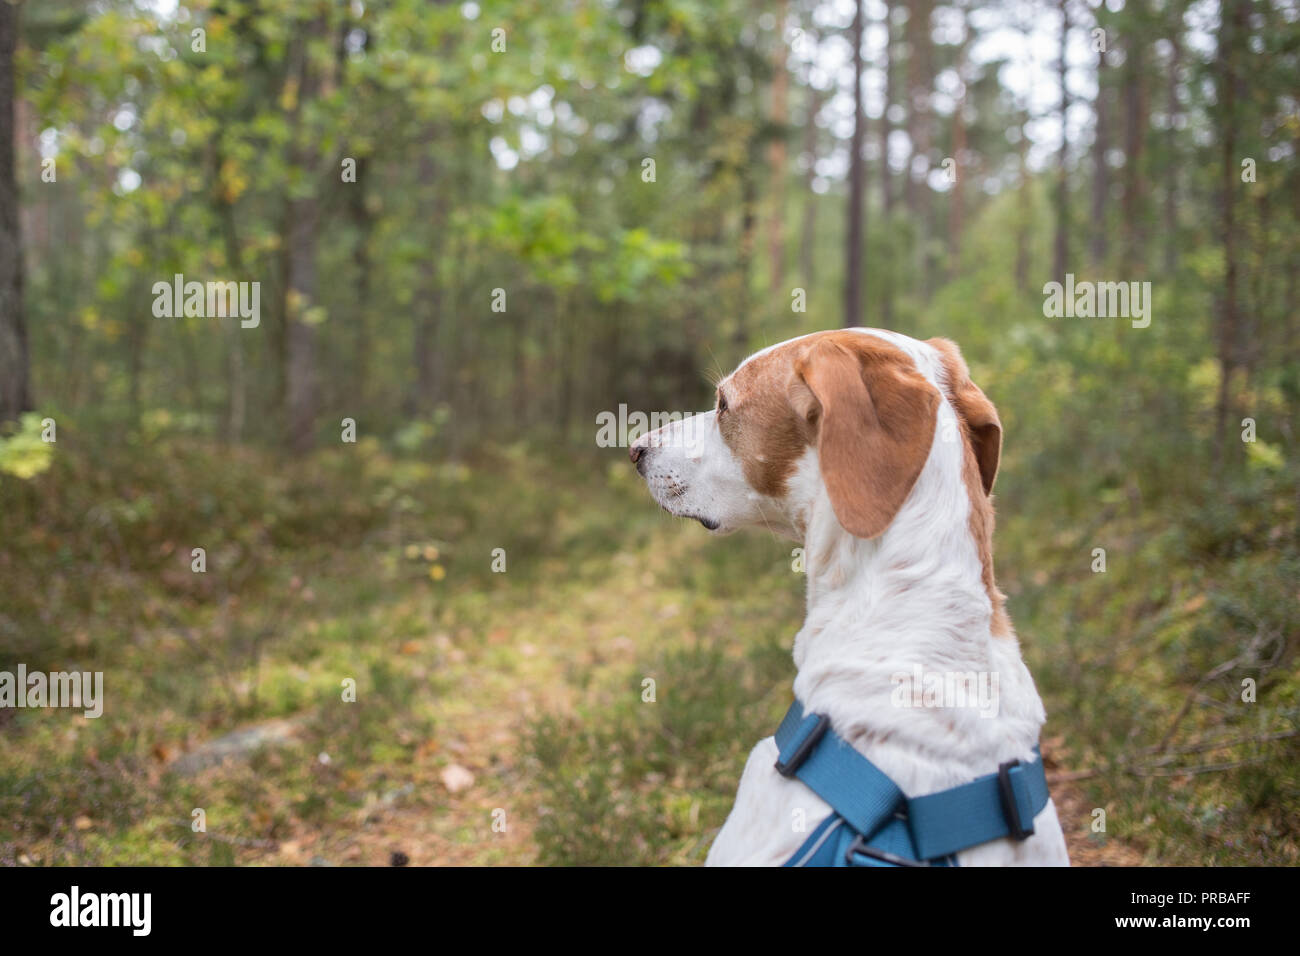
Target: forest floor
<point>442,817</point>
<point>417,700</point>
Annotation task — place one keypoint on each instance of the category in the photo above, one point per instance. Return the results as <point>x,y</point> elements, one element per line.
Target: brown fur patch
<point>858,398</point>
<point>760,426</point>
<point>982,437</point>
<point>875,415</point>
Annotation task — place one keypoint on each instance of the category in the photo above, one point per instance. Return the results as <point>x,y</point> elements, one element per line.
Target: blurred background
<point>476,227</point>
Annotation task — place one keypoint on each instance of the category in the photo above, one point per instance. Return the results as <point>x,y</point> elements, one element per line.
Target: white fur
<point>912,597</point>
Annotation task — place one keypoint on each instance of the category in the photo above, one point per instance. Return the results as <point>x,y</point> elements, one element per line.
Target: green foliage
<point>24,453</point>
<point>649,782</point>
<point>522,170</point>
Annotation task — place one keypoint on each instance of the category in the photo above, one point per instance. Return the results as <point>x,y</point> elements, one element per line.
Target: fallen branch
<point>1160,767</point>
<point>249,842</point>
<point>1181,771</point>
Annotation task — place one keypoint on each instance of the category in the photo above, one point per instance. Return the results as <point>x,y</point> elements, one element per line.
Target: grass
<point>360,566</point>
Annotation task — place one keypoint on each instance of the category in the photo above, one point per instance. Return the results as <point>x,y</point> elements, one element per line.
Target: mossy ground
<point>357,565</point>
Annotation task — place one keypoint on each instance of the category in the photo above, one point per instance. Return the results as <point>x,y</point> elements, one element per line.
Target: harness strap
<point>988,808</point>
<point>858,790</point>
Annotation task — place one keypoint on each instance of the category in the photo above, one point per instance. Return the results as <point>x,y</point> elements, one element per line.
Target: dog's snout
<point>640,455</point>
<point>636,453</point>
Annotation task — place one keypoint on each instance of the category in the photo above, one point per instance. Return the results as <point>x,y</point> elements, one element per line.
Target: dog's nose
<point>640,455</point>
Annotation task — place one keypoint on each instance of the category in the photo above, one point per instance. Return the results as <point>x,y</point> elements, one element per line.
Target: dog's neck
<point>921,578</point>
<point>912,600</point>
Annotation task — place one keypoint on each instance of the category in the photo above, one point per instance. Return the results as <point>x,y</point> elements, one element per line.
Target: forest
<point>315,315</point>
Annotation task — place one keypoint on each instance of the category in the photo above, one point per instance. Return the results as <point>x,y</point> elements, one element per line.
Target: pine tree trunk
<point>1023,214</point>
<point>1135,127</point>
<point>956,212</point>
<point>808,242</point>
<point>302,215</point>
<point>1100,166</point>
<point>15,387</point>
<point>428,360</point>
<point>1232,27</point>
<point>886,124</point>
<point>886,283</point>
<point>364,224</point>
<point>857,183</point>
<point>1172,110</point>
<point>777,155</point>
<point>1061,248</point>
<point>920,72</point>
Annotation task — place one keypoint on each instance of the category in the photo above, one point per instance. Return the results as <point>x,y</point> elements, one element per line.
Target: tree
<point>301,222</point>
<point>808,229</point>
<point>1172,113</point>
<point>1061,247</point>
<point>920,86</point>
<point>1232,39</point>
<point>15,388</point>
<point>957,195</point>
<point>853,265</point>
<point>779,114</point>
<point>886,175</point>
<point>1135,130</point>
<point>1100,162</point>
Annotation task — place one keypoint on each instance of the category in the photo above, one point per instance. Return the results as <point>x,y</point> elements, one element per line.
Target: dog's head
<point>851,415</point>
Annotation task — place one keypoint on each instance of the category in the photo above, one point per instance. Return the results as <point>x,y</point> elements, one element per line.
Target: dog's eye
<point>722,403</point>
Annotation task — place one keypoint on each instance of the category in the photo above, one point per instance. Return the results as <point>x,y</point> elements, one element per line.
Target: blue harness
<point>876,824</point>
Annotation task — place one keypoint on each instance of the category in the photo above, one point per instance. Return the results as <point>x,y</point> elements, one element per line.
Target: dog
<point>878,453</point>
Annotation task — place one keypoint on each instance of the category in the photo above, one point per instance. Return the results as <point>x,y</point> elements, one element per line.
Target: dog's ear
<point>974,408</point>
<point>874,417</point>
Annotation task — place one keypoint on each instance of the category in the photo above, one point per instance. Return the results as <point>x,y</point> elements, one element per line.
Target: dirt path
<point>441,828</point>
<point>524,667</point>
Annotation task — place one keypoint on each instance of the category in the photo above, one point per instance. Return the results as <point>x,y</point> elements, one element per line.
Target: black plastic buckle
<point>859,845</point>
<point>1010,809</point>
<point>787,768</point>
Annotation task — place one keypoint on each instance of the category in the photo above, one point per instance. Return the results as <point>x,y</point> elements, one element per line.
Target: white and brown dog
<point>878,452</point>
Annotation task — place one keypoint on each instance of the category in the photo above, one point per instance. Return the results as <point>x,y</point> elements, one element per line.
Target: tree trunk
<point>920,72</point>
<point>808,242</point>
<point>1100,166</point>
<point>886,283</point>
<point>1172,110</point>
<point>1231,28</point>
<point>1023,214</point>
<point>428,365</point>
<point>886,124</point>
<point>745,259</point>
<point>1135,126</point>
<point>857,183</point>
<point>302,215</point>
<point>363,222</point>
<point>956,212</point>
<point>15,387</point>
<point>300,343</point>
<point>957,206</point>
<point>777,154</point>
<point>1061,248</point>
<point>235,365</point>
